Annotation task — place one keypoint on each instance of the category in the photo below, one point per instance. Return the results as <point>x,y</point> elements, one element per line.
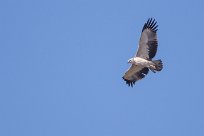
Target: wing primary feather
<point>156,30</point>
<point>151,24</point>
<point>155,27</point>
<point>148,21</point>
<point>146,25</point>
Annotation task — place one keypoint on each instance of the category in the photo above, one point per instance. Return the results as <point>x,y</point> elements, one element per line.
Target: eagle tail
<point>158,65</point>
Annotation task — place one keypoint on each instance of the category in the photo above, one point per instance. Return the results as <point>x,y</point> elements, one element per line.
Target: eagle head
<point>131,60</point>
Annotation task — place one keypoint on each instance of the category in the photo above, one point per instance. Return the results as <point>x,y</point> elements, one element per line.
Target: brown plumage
<point>142,61</point>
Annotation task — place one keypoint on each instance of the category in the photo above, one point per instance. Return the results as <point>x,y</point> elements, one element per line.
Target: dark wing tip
<point>150,24</point>
<point>129,82</point>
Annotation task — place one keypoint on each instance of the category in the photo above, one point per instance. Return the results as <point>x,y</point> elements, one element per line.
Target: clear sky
<point>62,62</point>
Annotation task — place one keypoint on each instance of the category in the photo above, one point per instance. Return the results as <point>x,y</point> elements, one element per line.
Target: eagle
<point>142,61</point>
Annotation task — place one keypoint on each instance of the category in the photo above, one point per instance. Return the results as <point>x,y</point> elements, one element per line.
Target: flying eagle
<point>142,61</point>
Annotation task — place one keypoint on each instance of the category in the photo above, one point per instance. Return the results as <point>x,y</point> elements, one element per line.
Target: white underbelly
<point>142,62</point>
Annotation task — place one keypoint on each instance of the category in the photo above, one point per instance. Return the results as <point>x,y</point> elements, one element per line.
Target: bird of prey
<point>142,61</point>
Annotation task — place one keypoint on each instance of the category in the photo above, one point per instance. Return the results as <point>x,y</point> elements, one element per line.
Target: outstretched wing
<point>148,40</point>
<point>134,74</point>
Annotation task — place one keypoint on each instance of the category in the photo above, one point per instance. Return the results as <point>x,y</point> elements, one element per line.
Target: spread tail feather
<point>158,65</point>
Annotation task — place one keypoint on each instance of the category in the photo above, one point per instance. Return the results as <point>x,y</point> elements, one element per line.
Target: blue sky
<point>62,64</point>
